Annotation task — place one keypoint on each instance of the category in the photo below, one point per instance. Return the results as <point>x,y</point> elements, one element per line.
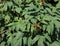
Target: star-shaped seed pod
<point>36,26</point>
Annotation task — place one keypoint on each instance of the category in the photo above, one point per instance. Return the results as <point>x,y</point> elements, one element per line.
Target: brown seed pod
<point>36,26</point>
<point>0,1</point>
<point>1,32</point>
<point>43,1</point>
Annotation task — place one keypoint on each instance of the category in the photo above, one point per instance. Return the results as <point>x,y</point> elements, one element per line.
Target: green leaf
<point>33,20</point>
<point>50,28</point>
<point>17,40</point>
<point>55,44</point>
<point>4,8</point>
<point>18,2</point>
<point>9,40</point>
<point>44,27</point>
<point>24,41</point>
<point>2,44</point>
<point>36,38</point>
<point>9,4</point>
<point>10,24</point>
<point>28,27</point>
<point>18,10</point>
<point>16,19</point>
<point>40,41</point>
<point>57,25</point>
<point>30,41</point>
<point>28,1</point>
<point>32,29</point>
<point>7,19</point>
<point>49,11</point>
<point>17,27</point>
<point>48,37</point>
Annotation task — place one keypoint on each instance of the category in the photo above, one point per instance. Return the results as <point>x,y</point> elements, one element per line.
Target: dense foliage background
<point>29,23</point>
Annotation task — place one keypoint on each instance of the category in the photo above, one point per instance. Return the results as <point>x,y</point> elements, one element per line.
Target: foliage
<point>29,23</point>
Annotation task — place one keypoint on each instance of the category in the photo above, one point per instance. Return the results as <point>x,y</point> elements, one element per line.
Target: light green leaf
<point>24,41</point>
<point>50,28</point>
<point>55,44</point>
<point>40,41</point>
<point>18,10</point>
<point>30,41</point>
<point>36,38</point>
<point>28,1</point>
<point>44,27</point>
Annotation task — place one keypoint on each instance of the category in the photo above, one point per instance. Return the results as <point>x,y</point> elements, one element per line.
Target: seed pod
<point>43,1</point>
<point>36,26</point>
